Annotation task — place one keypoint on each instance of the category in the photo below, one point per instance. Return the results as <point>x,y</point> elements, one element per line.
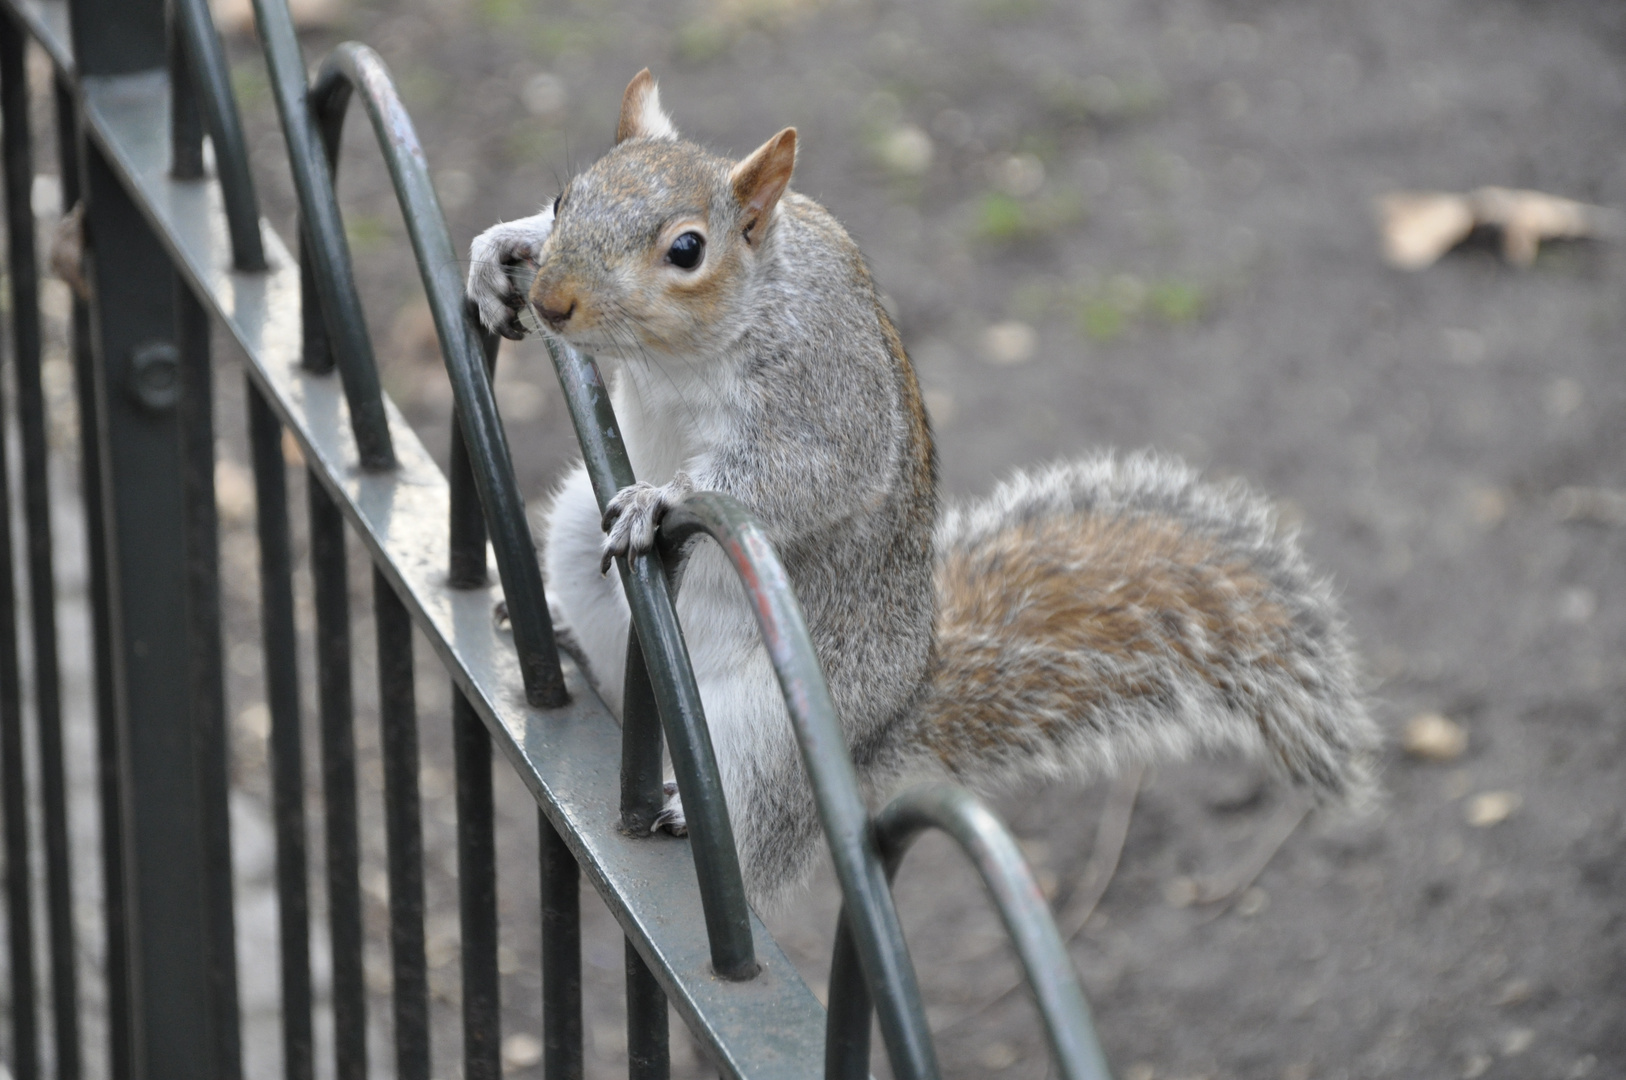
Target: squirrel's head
<point>655,247</point>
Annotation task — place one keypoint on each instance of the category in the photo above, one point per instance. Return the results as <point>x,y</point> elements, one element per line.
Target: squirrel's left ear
<point>760,179</point>
<point>641,114</point>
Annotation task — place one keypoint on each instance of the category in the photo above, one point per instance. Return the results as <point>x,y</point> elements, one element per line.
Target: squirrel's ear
<point>641,113</point>
<point>760,179</point>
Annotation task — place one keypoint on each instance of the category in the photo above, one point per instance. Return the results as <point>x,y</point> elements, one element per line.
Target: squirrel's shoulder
<point>815,265</point>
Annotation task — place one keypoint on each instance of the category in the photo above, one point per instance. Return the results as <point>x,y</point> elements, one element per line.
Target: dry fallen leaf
<point>1420,226</point>
<point>1491,808</point>
<point>1600,506</point>
<point>1526,218</point>
<point>1009,343</point>
<point>1433,737</point>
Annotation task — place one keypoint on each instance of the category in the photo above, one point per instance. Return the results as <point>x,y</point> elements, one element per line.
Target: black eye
<point>557,199</point>
<point>686,251</point>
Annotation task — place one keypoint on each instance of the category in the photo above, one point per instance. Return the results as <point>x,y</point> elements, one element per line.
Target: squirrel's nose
<point>554,305</point>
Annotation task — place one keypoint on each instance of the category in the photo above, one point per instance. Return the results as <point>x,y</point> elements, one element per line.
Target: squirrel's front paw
<point>502,263</point>
<point>633,514</point>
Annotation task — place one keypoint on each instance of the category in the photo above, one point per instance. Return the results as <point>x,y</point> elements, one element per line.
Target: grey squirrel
<point>1083,617</point>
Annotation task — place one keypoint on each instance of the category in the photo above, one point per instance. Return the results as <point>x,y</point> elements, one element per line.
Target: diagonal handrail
<point>996,858</point>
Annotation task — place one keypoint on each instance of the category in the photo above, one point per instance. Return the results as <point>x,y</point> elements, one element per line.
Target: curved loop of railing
<point>356,68</point>
<point>993,852</point>
<point>654,621</point>
<point>880,947</point>
<point>208,67</point>
<point>324,252</point>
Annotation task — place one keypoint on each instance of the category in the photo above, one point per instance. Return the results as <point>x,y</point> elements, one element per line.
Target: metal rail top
<point>571,763</point>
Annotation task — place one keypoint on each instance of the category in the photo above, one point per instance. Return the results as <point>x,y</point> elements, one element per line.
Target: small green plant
<point>503,13</point>
<point>1101,320</point>
<point>699,42</point>
<point>1108,310</point>
<point>1002,218</point>
<point>249,85</point>
<point>366,232</point>
<point>1009,11</point>
<point>1178,302</point>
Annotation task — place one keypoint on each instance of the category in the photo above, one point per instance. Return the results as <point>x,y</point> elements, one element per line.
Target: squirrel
<point>1082,618</point>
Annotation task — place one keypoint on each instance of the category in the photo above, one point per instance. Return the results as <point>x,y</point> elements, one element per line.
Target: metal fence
<point>171,251</point>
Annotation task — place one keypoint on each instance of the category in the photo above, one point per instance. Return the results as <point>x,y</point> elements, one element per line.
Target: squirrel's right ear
<point>641,113</point>
<point>760,179</point>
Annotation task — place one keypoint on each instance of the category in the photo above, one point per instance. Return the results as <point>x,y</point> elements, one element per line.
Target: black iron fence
<point>170,252</point>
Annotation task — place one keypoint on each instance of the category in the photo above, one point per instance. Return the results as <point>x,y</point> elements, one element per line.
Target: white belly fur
<point>745,710</point>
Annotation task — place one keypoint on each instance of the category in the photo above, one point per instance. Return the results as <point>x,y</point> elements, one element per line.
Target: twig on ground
<point>1110,833</point>
<point>1222,891</point>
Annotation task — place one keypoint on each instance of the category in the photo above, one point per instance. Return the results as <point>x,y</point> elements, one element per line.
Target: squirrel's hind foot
<point>671,816</point>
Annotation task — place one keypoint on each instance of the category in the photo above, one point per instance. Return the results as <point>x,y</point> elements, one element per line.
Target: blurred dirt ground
<point>1132,223</point>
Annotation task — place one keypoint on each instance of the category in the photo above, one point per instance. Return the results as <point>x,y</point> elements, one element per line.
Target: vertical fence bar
<point>642,794</point>
<point>476,839</point>
<point>561,955</point>
<point>173,1009</point>
<point>13,768</point>
<point>116,973</point>
<point>851,1009</point>
<point>648,1033</point>
<point>175,1015</point>
<point>195,416</point>
<point>403,824</point>
<point>25,352</point>
<point>185,119</point>
<point>287,759</point>
<point>53,786</point>
<point>477,894</point>
<point>468,523</point>
<point>330,580</point>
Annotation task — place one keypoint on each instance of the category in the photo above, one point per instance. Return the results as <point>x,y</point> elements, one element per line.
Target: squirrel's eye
<point>686,251</point>
<point>557,199</point>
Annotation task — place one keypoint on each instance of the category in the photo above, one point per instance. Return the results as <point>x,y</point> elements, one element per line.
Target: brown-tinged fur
<point>1107,611</point>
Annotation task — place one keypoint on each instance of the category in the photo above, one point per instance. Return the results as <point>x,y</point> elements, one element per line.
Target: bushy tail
<point>1113,610</point>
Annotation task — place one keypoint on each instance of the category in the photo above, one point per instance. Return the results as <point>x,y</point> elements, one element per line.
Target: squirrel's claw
<point>633,514</point>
